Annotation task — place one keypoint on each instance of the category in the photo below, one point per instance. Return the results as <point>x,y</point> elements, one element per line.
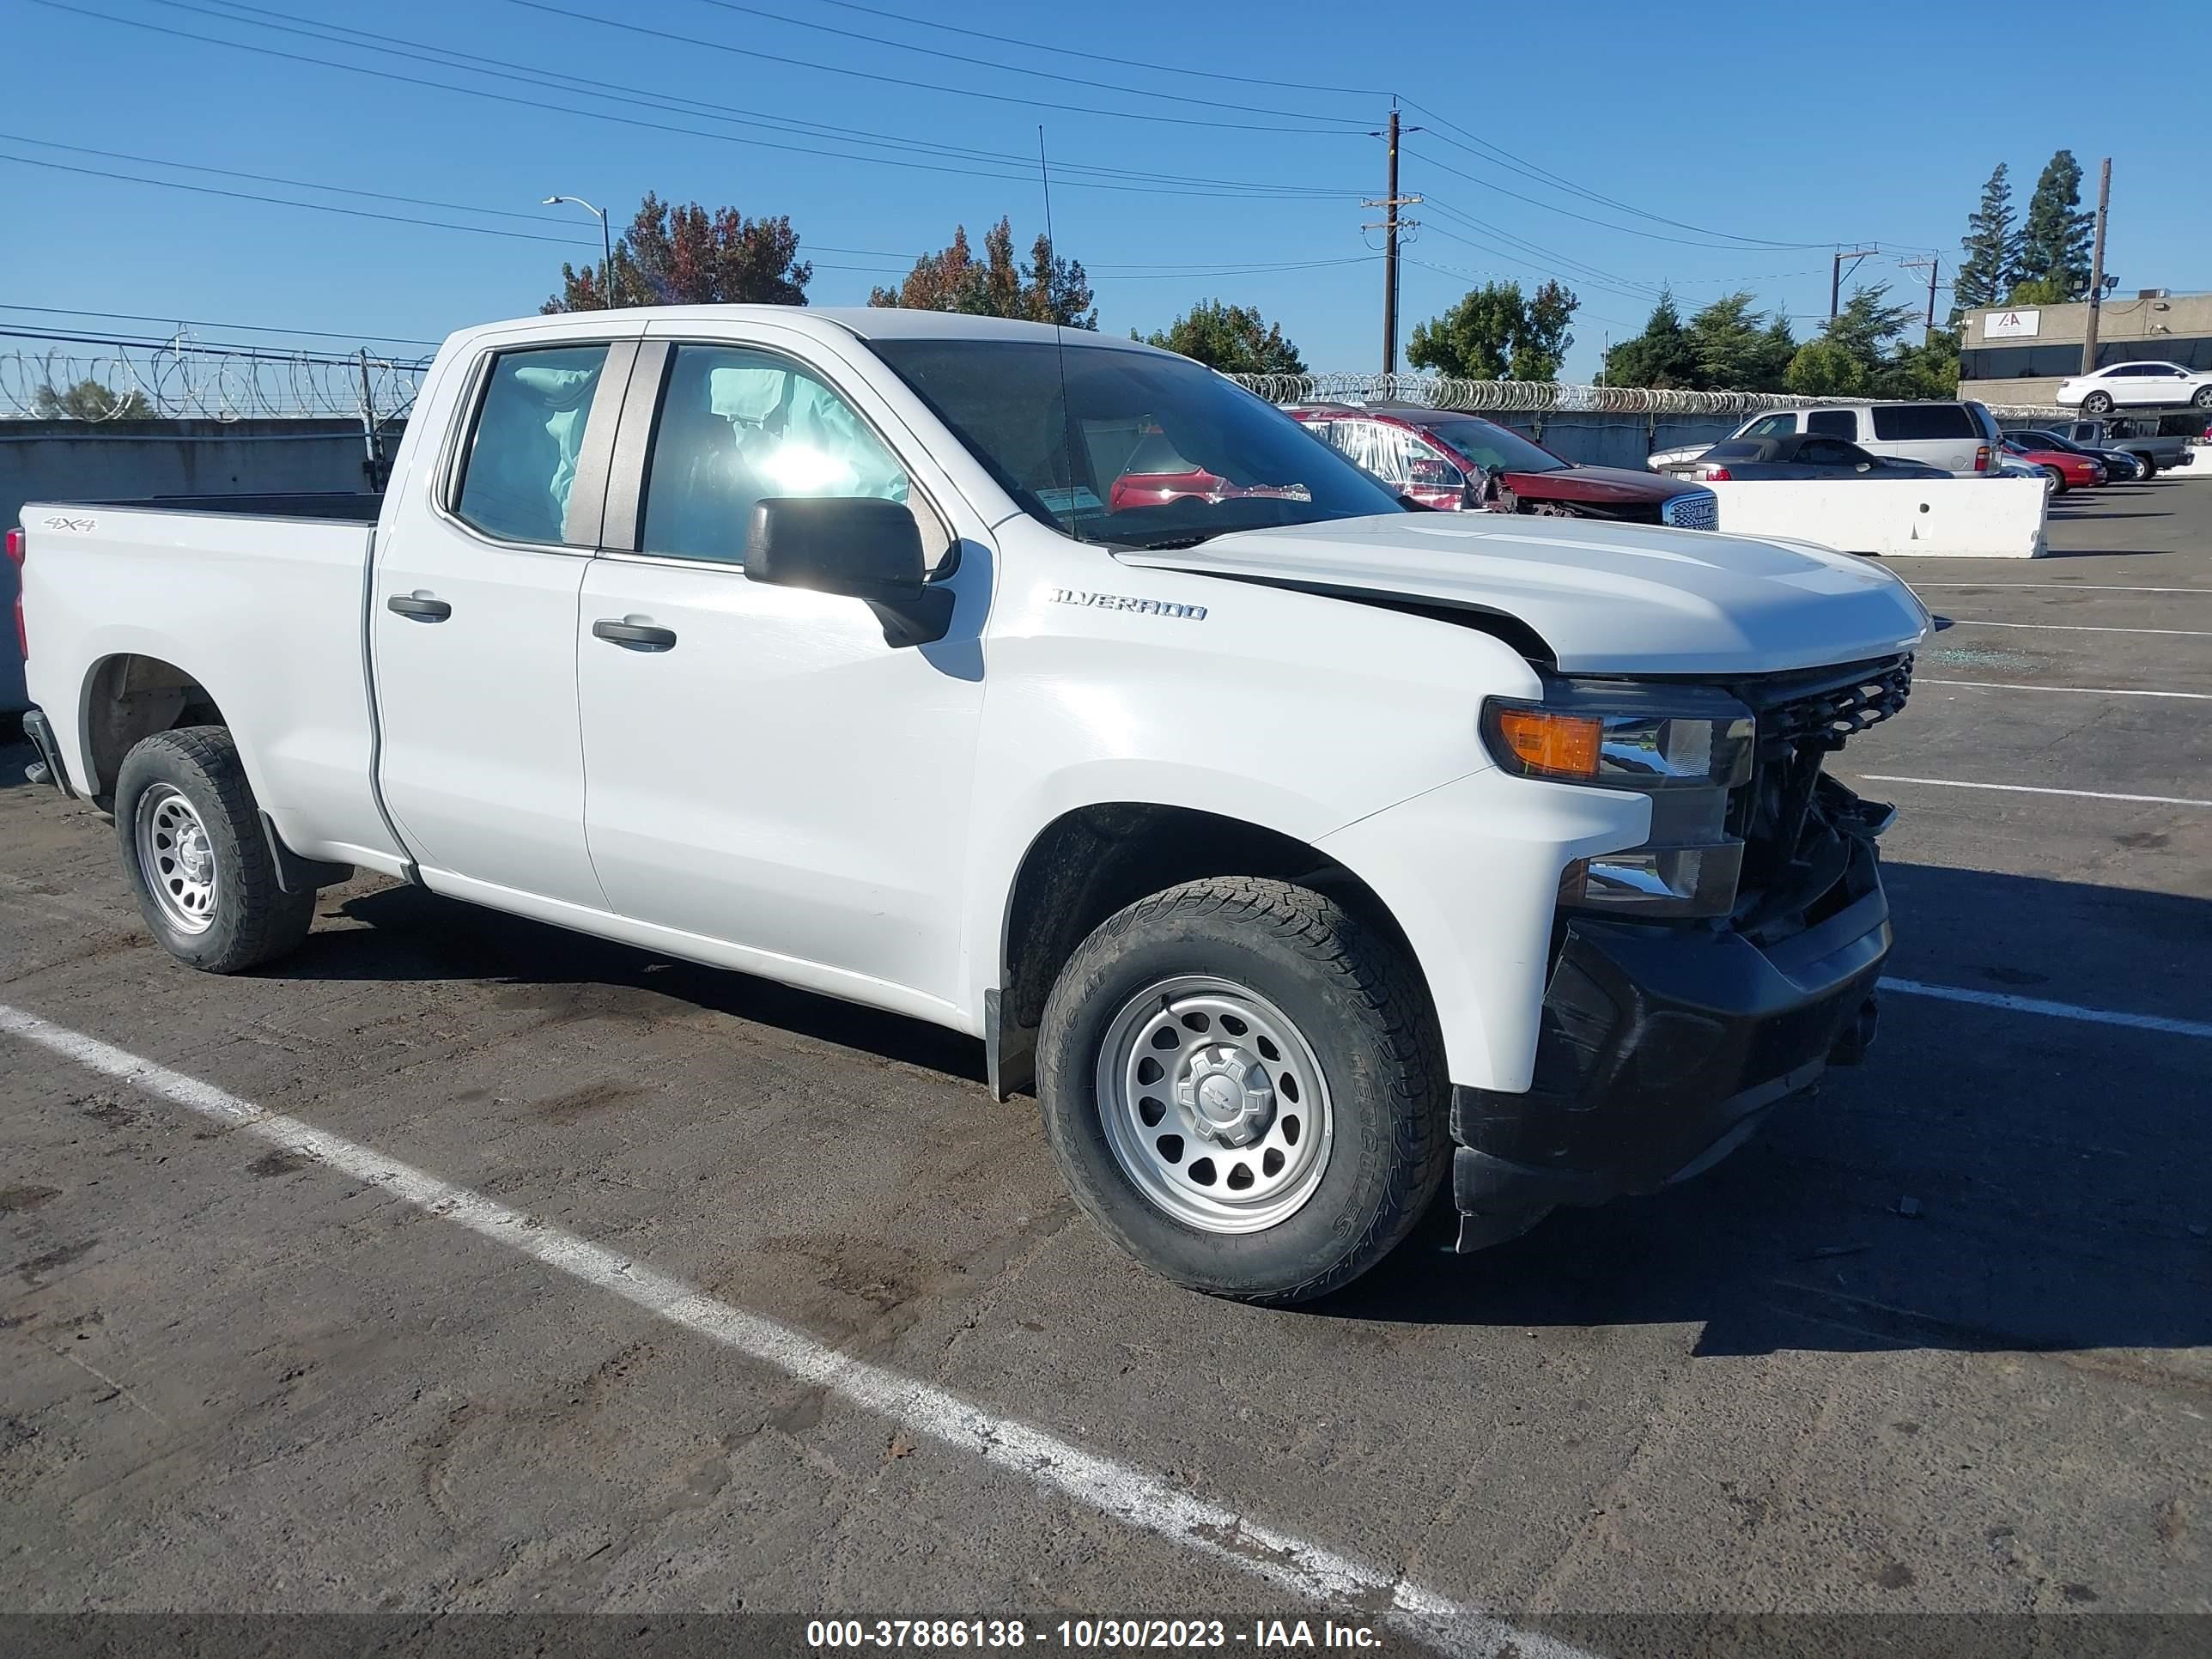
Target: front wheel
<point>194,851</point>
<point>1244,1087</point>
<point>2098,402</point>
<point>2054,481</point>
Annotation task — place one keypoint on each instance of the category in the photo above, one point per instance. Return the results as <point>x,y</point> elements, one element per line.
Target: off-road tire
<point>254,920</point>
<point>1362,1007</point>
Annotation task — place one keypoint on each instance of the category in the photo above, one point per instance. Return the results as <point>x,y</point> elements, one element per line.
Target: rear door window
<point>522,457</point>
<point>1833,423</point>
<point>1773,426</point>
<point>1919,422</point>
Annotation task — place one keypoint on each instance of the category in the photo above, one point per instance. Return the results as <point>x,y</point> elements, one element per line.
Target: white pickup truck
<point>1299,847</point>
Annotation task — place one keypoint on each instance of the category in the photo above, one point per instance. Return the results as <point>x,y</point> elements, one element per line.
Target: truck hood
<point>1605,598</point>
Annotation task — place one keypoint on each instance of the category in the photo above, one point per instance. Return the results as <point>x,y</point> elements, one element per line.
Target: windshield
<point>1144,450</point>
<point>1486,445</point>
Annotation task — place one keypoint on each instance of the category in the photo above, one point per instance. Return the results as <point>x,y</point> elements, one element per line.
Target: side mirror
<point>856,546</point>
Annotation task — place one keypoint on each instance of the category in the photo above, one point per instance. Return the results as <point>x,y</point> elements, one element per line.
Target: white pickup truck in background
<point>1302,848</point>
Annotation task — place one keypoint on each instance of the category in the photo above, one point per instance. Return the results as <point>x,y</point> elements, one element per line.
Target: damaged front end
<point>1697,981</point>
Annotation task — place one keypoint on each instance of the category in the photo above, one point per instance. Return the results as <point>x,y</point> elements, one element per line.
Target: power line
<point>352,213</point>
<point>598,87</point>
<point>243,328</point>
<point>1100,57</point>
<point>999,68</point>
<point>1216,189</point>
<point>1551,207</point>
<point>922,86</point>
<point>1503,157</point>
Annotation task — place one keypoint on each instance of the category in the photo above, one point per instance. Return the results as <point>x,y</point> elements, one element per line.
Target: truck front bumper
<point>1661,1050</point>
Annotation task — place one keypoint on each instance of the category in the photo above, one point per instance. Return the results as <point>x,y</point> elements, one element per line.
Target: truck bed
<point>348,507</point>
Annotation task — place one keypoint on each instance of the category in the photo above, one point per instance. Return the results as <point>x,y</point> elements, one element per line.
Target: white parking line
<point>2077,628</point>
<point>1913,987</point>
<point>2086,690</point>
<point>2035,789</point>
<point>1142,1501</point>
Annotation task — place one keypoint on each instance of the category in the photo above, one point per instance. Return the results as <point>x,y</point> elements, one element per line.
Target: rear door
<point>765,770</point>
<point>473,621</point>
<point>1943,436</point>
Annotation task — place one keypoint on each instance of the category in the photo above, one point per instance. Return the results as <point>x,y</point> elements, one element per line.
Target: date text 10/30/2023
<point>1258,1635</point>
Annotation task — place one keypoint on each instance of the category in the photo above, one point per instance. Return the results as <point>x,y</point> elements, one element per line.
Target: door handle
<point>419,607</point>
<point>635,636</point>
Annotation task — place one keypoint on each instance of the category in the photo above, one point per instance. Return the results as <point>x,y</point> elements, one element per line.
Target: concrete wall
<point>80,460</point>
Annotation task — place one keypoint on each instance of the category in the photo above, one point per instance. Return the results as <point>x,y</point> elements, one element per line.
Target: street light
<point>606,247</point>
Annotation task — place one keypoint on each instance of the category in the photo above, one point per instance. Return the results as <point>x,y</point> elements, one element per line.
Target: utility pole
<point>1934,265</point>
<point>1390,224</point>
<point>1836,278</point>
<point>2097,269</point>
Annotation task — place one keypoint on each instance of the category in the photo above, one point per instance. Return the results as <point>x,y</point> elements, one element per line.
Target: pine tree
<point>1992,245</point>
<point>2054,238</point>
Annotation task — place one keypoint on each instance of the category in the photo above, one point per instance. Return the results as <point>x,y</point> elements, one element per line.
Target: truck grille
<point>1793,851</point>
<point>1698,510</point>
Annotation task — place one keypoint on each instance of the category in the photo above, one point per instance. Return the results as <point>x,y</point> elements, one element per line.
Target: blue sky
<point>1615,146</point>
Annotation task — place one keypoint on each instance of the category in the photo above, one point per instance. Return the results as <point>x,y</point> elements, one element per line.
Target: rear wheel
<point>1244,1088</point>
<point>195,853</point>
<point>2098,402</point>
<point>2145,468</point>
<point>2203,397</point>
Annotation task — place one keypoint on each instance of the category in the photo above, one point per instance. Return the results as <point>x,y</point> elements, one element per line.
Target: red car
<point>1156,473</point>
<point>2069,470</point>
<point>1443,458</point>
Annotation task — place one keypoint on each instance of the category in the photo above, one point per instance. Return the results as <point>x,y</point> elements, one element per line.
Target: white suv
<point>1959,438</point>
<point>2137,386</point>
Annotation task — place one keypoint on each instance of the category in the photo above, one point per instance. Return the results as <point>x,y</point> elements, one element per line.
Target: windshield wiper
<point>1168,544</point>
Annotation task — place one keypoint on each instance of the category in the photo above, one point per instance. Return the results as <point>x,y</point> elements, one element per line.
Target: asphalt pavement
<point>572,1279</point>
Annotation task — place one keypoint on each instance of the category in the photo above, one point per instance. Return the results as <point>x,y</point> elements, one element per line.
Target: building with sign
<point>2018,354</point>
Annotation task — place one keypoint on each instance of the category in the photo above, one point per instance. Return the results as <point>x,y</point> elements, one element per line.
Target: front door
<point>764,770</point>
<point>473,624</point>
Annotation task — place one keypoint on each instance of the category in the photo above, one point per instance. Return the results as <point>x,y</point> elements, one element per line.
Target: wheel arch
<point>1093,860</point>
<point>129,696</point>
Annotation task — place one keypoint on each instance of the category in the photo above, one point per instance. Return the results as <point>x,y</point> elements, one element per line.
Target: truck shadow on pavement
<point>1992,1180</point>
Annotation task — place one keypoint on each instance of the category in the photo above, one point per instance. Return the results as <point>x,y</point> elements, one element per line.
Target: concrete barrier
<point>1957,518</point>
<point>2199,467</point>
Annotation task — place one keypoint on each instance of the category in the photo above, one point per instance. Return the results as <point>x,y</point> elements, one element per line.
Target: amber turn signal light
<point>1550,744</point>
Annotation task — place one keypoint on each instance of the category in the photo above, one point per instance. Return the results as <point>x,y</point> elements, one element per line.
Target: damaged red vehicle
<point>1449,459</point>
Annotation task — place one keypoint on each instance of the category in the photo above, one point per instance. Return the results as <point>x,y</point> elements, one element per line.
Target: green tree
<point>1046,289</point>
<point>1737,349</point>
<point>1823,369</point>
<point>89,400</point>
<point>1235,340</point>
<point>2054,236</point>
<point>1497,333</point>
<point>1867,329</point>
<point>1992,247</point>
<point>2037,291</point>
<point>686,256</point>
<point>1928,370</point>
<point>1660,356</point>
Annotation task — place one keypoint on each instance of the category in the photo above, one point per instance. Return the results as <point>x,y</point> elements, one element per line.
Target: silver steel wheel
<point>177,858</point>
<point>1214,1104</point>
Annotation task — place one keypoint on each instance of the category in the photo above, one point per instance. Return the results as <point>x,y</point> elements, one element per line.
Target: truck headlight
<point>1687,747</point>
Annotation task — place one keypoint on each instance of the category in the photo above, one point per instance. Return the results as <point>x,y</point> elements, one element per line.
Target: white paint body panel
<point>784,793</point>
